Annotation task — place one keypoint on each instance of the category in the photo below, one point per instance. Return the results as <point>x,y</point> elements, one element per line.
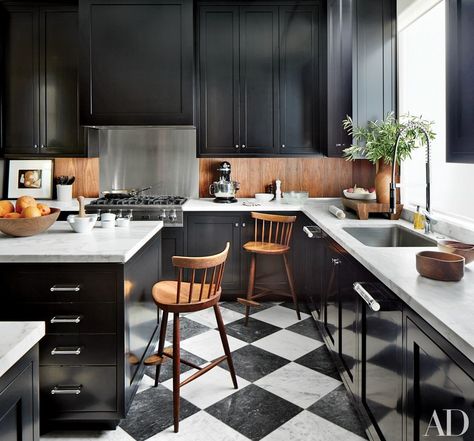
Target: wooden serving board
<point>364,208</point>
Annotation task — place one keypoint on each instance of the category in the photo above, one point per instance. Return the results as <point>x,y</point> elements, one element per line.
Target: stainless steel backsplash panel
<point>163,157</point>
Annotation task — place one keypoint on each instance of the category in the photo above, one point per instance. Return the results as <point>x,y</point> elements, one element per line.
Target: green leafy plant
<point>376,141</point>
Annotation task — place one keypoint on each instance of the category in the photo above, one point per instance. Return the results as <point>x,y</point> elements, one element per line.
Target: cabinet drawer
<point>77,388</point>
<point>78,349</point>
<point>71,318</point>
<point>62,285</point>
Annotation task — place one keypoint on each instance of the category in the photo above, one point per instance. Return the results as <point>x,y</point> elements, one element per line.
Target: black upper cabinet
<point>361,65</point>
<point>459,84</point>
<point>40,99</point>
<point>300,83</point>
<point>136,62</point>
<point>259,79</point>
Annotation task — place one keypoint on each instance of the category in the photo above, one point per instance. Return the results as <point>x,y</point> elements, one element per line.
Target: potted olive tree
<point>376,143</point>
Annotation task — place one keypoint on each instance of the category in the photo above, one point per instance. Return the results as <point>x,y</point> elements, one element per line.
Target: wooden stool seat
<point>274,232</point>
<point>198,287</point>
<point>164,295</point>
<point>266,248</point>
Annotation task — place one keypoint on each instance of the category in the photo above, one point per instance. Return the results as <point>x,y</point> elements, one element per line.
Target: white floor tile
<point>307,426</point>
<point>208,345</point>
<point>145,384</point>
<point>200,427</point>
<point>298,384</point>
<point>207,316</point>
<point>279,316</point>
<point>90,435</point>
<point>288,344</point>
<point>208,389</point>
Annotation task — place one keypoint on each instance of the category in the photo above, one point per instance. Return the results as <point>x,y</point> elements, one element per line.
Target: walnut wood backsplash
<point>322,177</point>
<point>86,171</point>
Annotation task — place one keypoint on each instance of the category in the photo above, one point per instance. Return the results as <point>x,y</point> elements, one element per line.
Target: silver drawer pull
<point>66,319</point>
<point>66,351</point>
<point>65,288</point>
<point>66,390</point>
<point>373,304</point>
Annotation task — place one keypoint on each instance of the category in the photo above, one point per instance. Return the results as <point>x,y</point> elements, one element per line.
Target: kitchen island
<point>93,291</point>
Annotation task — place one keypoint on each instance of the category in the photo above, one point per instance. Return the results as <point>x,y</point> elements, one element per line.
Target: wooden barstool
<point>271,237</point>
<point>202,291</point>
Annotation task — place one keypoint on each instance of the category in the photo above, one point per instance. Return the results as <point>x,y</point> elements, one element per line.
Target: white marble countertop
<point>16,339</point>
<point>60,244</point>
<point>208,204</point>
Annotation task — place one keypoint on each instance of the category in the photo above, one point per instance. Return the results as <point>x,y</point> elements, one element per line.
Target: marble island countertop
<point>60,244</point>
<point>16,339</point>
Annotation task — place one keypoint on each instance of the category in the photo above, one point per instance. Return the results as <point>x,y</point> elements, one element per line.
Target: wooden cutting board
<point>364,208</point>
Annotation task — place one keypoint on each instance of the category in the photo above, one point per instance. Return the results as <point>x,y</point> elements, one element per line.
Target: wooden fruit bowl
<point>23,227</point>
<point>437,265</point>
<point>462,249</point>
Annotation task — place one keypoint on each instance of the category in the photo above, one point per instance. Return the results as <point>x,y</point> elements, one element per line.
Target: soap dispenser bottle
<point>418,219</point>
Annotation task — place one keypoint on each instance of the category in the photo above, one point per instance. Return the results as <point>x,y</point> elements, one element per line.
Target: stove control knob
<point>173,216</point>
<point>162,215</point>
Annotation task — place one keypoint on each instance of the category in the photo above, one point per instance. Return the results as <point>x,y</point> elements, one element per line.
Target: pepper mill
<point>278,190</point>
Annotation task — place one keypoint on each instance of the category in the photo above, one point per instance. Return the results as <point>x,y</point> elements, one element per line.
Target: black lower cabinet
<point>19,409</point>
<point>101,324</point>
<point>440,386</point>
<point>172,244</point>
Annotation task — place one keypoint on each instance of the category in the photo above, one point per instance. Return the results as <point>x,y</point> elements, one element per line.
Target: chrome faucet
<point>394,185</point>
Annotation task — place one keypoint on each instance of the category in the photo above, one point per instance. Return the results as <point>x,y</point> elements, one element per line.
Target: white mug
<point>64,193</point>
<point>82,224</point>
<point>123,222</point>
<point>107,217</point>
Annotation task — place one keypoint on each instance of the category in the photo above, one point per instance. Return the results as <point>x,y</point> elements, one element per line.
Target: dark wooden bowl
<point>23,227</point>
<point>437,265</point>
<point>462,249</point>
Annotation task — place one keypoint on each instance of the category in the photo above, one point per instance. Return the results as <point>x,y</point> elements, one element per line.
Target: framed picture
<point>30,177</point>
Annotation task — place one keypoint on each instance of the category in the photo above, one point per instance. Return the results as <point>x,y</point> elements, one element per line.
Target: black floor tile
<point>337,408</point>
<point>238,307</point>
<point>320,360</point>
<point>187,329</point>
<point>152,412</point>
<point>255,330</point>
<point>252,363</point>
<point>308,328</point>
<point>254,412</point>
<point>166,371</point>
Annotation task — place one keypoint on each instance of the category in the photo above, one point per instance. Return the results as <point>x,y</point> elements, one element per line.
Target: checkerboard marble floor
<point>289,388</point>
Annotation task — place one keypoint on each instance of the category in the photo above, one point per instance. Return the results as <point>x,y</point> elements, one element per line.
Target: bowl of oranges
<point>26,217</point>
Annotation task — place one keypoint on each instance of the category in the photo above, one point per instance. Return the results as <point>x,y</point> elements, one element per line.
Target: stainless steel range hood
<point>137,157</point>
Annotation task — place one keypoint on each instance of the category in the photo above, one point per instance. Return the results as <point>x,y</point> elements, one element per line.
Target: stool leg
<point>225,343</point>
<point>251,285</point>
<point>176,371</point>
<point>292,286</point>
<point>161,344</point>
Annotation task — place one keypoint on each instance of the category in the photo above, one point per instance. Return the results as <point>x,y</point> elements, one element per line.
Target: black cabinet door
<point>381,363</point>
<point>21,81</point>
<point>459,85</point>
<point>207,234</point>
<point>172,244</point>
<point>219,90</point>
<point>440,387</point>
<point>136,62</point>
<point>259,79</point>
<point>60,133</point>
<point>300,76</point>
<point>330,302</point>
<point>339,73</point>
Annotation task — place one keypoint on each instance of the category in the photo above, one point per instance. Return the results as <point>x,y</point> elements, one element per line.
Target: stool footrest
<point>153,360</point>
<point>203,370</point>
<point>248,302</point>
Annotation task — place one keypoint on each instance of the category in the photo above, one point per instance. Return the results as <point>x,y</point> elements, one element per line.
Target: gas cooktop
<point>140,200</point>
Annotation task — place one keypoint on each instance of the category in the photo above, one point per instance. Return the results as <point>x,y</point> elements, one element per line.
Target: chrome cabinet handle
<point>66,351</point>
<point>243,146</point>
<point>42,146</point>
<point>65,288</point>
<point>35,146</point>
<point>243,224</point>
<point>373,304</point>
<point>336,261</point>
<point>66,390</point>
<point>236,146</point>
<point>66,319</point>
<point>236,225</point>
<point>283,146</point>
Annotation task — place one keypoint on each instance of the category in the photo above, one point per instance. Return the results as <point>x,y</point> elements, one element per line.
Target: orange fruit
<point>6,207</point>
<point>44,209</point>
<point>24,201</point>
<point>12,216</point>
<point>31,211</point>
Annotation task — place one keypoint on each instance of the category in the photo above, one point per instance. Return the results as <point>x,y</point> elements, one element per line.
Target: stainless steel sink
<point>392,236</point>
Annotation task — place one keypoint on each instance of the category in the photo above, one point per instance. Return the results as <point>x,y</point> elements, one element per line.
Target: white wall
<point>422,91</point>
